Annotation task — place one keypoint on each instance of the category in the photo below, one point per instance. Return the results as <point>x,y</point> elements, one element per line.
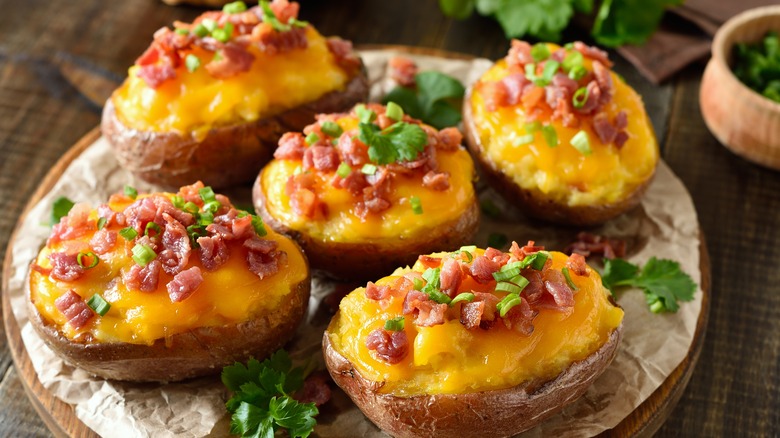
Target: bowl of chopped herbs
<point>740,89</point>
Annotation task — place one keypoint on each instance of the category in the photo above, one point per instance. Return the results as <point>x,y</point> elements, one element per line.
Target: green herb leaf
<point>416,204</point>
<point>258,225</point>
<point>400,142</point>
<point>60,208</point>
<point>131,192</point>
<point>544,19</point>
<point>234,7</point>
<point>344,170</point>
<point>581,142</point>
<point>296,417</point>
<point>331,129</point>
<point>457,9</point>
<point>617,21</point>
<point>395,325</point>
<point>192,62</point>
<point>101,223</point>
<point>436,101</point>
<point>662,281</point>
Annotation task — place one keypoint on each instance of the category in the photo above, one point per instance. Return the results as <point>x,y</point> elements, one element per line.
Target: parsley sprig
<point>262,401</point>
<point>400,141</point>
<point>662,281</point>
<point>435,100</point>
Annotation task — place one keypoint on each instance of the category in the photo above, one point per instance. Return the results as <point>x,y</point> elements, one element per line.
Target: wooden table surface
<point>45,108</point>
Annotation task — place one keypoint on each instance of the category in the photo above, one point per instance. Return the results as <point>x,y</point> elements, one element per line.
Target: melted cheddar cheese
<point>195,102</point>
<point>562,173</point>
<point>450,359</point>
<point>229,295</point>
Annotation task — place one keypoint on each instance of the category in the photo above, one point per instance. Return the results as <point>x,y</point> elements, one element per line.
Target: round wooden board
<point>62,421</point>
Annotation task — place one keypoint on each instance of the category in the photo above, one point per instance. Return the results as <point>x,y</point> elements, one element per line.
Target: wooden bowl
<point>743,120</point>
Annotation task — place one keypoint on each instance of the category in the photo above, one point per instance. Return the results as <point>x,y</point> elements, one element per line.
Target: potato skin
<point>358,261</point>
<point>532,201</point>
<point>497,413</point>
<point>228,155</point>
<point>198,352</point>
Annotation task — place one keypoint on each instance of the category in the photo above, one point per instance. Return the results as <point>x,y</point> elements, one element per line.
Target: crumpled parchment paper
<point>664,225</point>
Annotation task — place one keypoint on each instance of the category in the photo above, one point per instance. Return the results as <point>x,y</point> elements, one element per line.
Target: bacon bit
<point>112,217</point>
<point>184,284</point>
<point>352,150</point>
<point>449,139</point>
<point>439,181</point>
<point>304,202</point>
<point>176,246</point>
<point>495,94</point>
<point>272,42</point>
<point>429,262</point>
<point>213,252</point>
<point>75,224</point>
<point>482,269</point>
<point>143,278</point>
<point>263,259</point>
<point>156,75</point>
<point>532,95</point>
<point>391,347</point>
<point>377,293</point>
<point>605,130</point>
<point>519,55</point>
<point>576,264</point>
<point>525,251</point>
<point>103,241</point>
<point>451,277</point>
<point>354,183</point>
<point>191,193</point>
<point>315,389</point>
<point>284,10</point>
<point>74,308</point>
<point>322,158</point>
<point>292,145</point>
<point>620,139</point>
<point>588,244</point>
<point>479,313</point>
<point>514,84</point>
<point>555,284</point>
<point>345,56</point>
<point>403,71</point>
<point>426,312</point>
<point>520,318</point>
<point>235,59</point>
<point>373,205</point>
<point>65,267</point>
<point>497,256</point>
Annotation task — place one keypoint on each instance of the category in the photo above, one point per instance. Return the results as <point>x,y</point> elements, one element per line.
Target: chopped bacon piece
<point>143,278</point>
<point>449,139</point>
<point>528,249</point>
<point>555,284</point>
<point>593,101</point>
<point>103,240</point>
<point>531,97</point>
<point>272,42</point>
<point>260,245</point>
<point>191,193</point>
<point>263,259</point>
<point>345,56</point>
<point>322,158</point>
<point>285,10</point>
<point>605,130</point>
<point>497,256</point>
<point>65,267</point>
<point>235,59</point>
<point>439,181</point>
<point>495,94</point>
<point>315,389</point>
<point>140,213</point>
<point>576,264</point>
<point>391,347</point>
<point>589,244</point>
<point>304,202</point>
<point>514,84</point>
<point>377,293</point>
<point>482,269</point>
<point>352,150</point>
<point>75,224</point>
<point>373,205</point>
<point>354,183</point>
<point>426,312</point>
<point>74,308</point>
<point>292,145</point>
<point>451,277</point>
<point>155,75</point>
<point>403,70</point>
<point>620,139</point>
<point>111,216</point>
<point>176,246</point>
<point>184,284</point>
<point>479,313</point>
<point>428,261</point>
<point>534,291</point>
<point>604,79</point>
<point>593,53</point>
<point>621,120</point>
<point>519,55</point>
<point>520,318</point>
<point>214,252</point>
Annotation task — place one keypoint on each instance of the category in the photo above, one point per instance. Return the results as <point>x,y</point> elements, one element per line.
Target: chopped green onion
<point>530,72</point>
<point>128,233</point>
<point>540,52</point>
<point>581,142</point>
<point>431,276</point>
<point>195,231</point>
<point>131,192</point>
<point>143,254</point>
<point>418,283</point>
<point>507,303</point>
<point>182,31</point>
<point>394,111</point>
<point>508,287</point>
<point>211,206</point>
<point>297,23</point>
<point>190,207</point>
<point>209,24</point>
<point>568,46</point>
<point>507,271</point>
<point>550,135</point>
<point>60,208</point>
<point>550,68</point>
<point>572,60</point>
<point>437,296</point>
<point>497,240</point>
<point>395,325</point>
<point>331,128</point>
<point>536,260</point>
<point>205,218</point>
<point>344,170</point>
<point>414,201</point>
<point>578,72</point>
<point>520,281</point>
<point>580,97</point>
<point>523,140</point>
<point>257,224</point>
<point>154,227</point>
<point>364,114</point>
<point>178,201</point>
<point>465,296</point>
<point>532,127</point>
<point>98,304</point>
<point>489,208</point>
<point>569,281</point>
<point>223,34</point>
<point>207,194</point>
<point>101,222</point>
<point>368,169</point>
<point>200,30</point>
<point>657,306</point>
<point>92,258</point>
<point>192,62</point>
<point>312,138</point>
<point>469,248</point>
<point>469,256</point>
<point>234,7</point>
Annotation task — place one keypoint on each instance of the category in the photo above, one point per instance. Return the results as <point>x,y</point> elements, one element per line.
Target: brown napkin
<point>684,36</point>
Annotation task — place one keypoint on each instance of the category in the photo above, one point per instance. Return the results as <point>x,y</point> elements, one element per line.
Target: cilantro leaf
<point>400,142</point>
<point>434,87</point>
<point>296,417</point>
<point>380,148</point>
<point>617,21</point>
<point>435,101</point>
<point>544,19</point>
<point>407,98</point>
<point>60,208</point>
<point>662,281</point>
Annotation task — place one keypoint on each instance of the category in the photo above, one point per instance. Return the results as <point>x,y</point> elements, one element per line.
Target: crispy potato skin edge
<point>228,155</point>
<point>198,352</point>
<point>497,413</point>
<point>533,202</point>
<point>364,261</point>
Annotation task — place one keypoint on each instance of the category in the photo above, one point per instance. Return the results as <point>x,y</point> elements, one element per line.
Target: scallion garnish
<point>469,251</point>
<point>224,33</point>
<point>195,231</point>
<point>567,276</point>
<point>416,204</point>
<point>368,169</point>
<point>532,127</point>
<point>331,128</point>
<point>98,304</point>
<point>209,24</point>
<point>128,233</point>
<point>143,254</point>
<point>418,283</point>
<point>431,277</point>
<point>60,208</point>
<point>207,194</point>
<point>90,262</point>
<point>211,206</point>
<point>505,286</point>
<point>101,222</point>
<point>507,271</point>
<point>524,140</point>
<point>200,30</point>
<point>465,296</point>
<point>540,52</point>
<point>364,114</point>
<point>394,111</point>
<point>395,325</point>
<point>580,97</point>
<point>536,260</point>
<point>578,72</point>
<point>131,192</point>
<point>178,201</point>
<point>257,224</point>
<point>312,138</point>
<point>344,170</point>
<point>151,226</point>
<point>182,31</point>
<point>234,7</point>
<point>205,218</point>
<point>190,207</point>
<point>192,62</point>
<point>550,135</point>
<point>572,60</point>
<point>507,303</point>
<point>581,142</point>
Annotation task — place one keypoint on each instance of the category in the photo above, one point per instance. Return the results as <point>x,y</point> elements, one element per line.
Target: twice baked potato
<point>560,134</point>
<point>219,93</point>
<point>366,191</point>
<point>165,287</point>
<point>473,343</point>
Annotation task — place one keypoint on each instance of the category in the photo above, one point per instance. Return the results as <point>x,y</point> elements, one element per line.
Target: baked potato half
<point>366,191</point>
<point>164,287</point>
<point>560,134</point>
<point>473,343</point>
<point>219,93</point>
